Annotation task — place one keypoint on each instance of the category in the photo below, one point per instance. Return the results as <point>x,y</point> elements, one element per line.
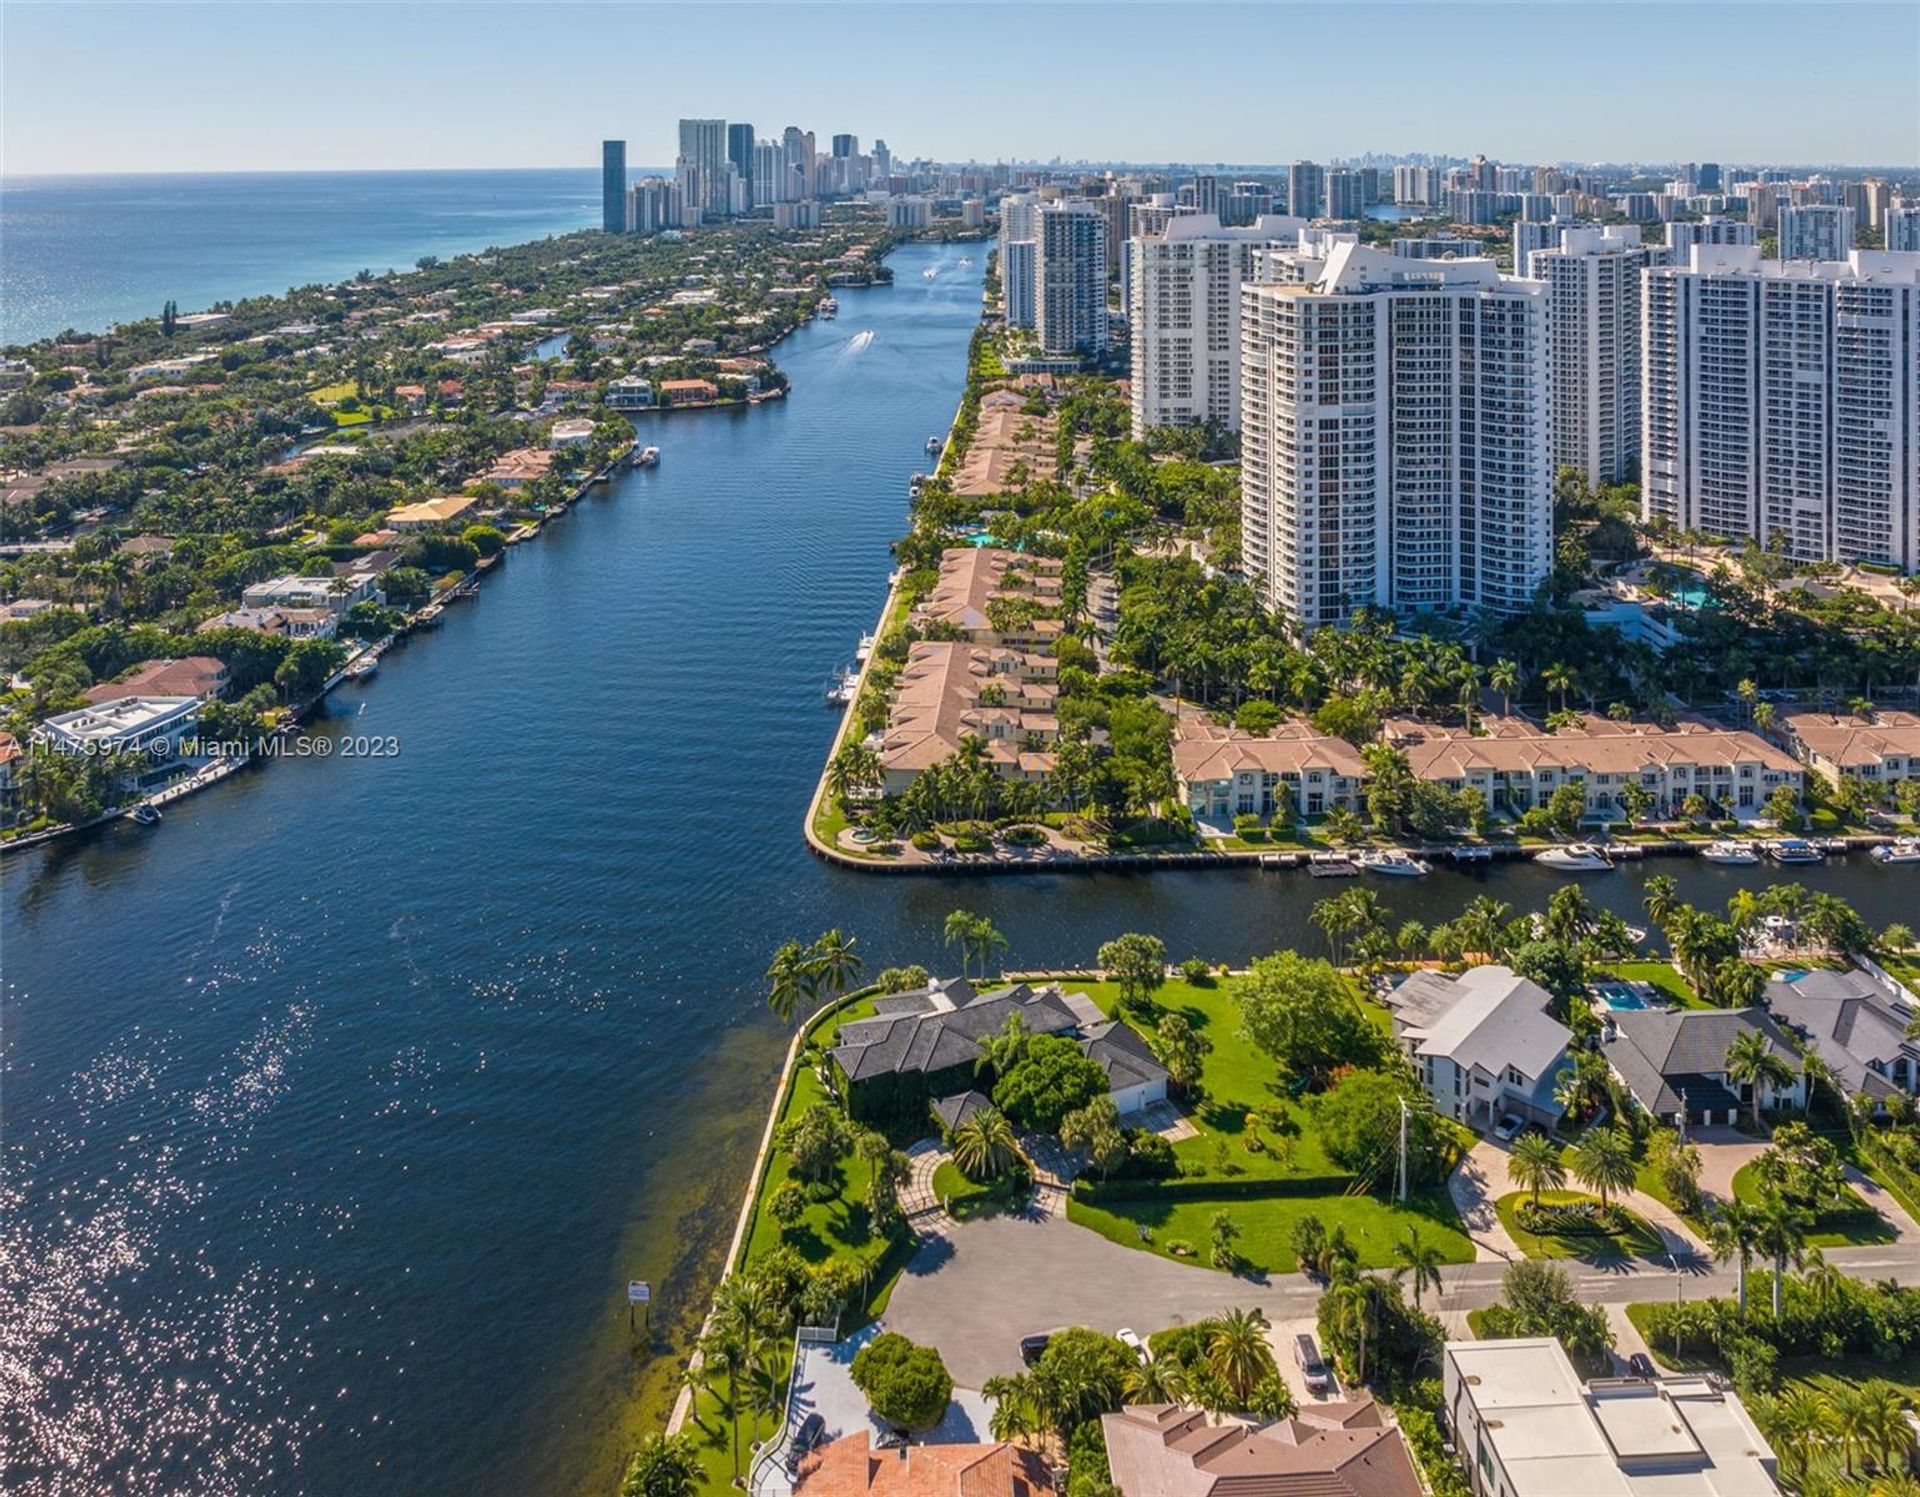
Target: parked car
<point>891,1439</point>
<point>1031,1347</point>
<point>1641,1365</point>
<point>1307,1354</point>
<point>1130,1338</point>
<point>1508,1126</point>
<point>805,1438</point>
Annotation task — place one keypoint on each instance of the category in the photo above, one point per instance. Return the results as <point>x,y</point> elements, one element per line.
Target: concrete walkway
<point>1724,1152</point>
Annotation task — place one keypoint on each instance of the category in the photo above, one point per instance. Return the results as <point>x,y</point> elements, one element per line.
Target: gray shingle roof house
<point>1483,1042</point>
<point>951,1112</point>
<point>1663,1055</point>
<point>924,1044</point>
<point>1851,1023</point>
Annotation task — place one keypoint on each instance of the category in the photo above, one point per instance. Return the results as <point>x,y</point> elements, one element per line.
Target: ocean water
<point>339,1109</point>
<point>87,252</point>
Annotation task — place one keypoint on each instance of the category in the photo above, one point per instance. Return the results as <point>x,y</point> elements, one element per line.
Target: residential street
<point>975,1290</point>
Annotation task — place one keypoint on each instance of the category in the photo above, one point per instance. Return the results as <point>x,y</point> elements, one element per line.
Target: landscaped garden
<point>1273,1145</point>
<point>1569,1224</point>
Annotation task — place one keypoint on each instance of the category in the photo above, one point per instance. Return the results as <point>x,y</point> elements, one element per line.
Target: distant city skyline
<point>943,81</point>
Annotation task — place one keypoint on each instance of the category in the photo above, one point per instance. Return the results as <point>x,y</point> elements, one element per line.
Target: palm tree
<point>1536,1164</point>
<point>1886,1434</point>
<point>984,1146</point>
<point>1019,1407</point>
<point>1796,1421</point>
<point>1731,1235</point>
<point>833,961</point>
<point>1781,1233</point>
<point>960,932</point>
<point>1604,1161</point>
<point>1504,678</point>
<point>1854,1419</point>
<point>1155,1382</point>
<point>1661,899</point>
<point>791,980</point>
<point>1335,917</point>
<point>1419,1259</point>
<point>1352,1308</point>
<point>1483,924</point>
<point>1558,678</point>
<point>1237,1352</point>
<point>1752,1061</point>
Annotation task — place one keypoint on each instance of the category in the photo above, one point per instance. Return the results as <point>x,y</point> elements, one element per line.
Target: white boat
<point>915,484</point>
<point>1900,850</point>
<point>931,271</point>
<point>1794,850</point>
<point>867,642</point>
<point>1738,854</point>
<point>1394,863</point>
<point>145,814</point>
<point>365,666</point>
<point>829,308</point>
<point>1333,865</point>
<point>843,688</point>
<point>933,446</point>
<point>1575,857</point>
<point>647,458</point>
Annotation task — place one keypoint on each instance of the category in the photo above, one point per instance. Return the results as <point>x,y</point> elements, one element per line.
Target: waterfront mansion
<point>1881,748</point>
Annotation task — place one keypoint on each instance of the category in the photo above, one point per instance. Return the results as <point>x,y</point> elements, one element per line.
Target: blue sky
<point>260,86</point>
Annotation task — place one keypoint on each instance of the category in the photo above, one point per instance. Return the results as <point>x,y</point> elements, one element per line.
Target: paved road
<point>975,1290</point>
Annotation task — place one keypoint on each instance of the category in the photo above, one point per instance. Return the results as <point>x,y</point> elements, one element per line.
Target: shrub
<point>927,841</point>
<point>1571,1218</point>
<point>1198,971</point>
<point>1024,836</point>
<point>968,842</point>
<point>906,1384</point>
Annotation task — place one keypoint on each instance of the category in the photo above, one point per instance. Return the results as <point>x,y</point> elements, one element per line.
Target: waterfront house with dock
<point>149,729</point>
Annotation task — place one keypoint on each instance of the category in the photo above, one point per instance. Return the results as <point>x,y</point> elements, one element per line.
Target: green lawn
<point>969,1200</point>
<point>1638,1241</point>
<point>1850,1226</point>
<point>1266,1226</point>
<point>1660,975</point>
<point>1237,1079</point>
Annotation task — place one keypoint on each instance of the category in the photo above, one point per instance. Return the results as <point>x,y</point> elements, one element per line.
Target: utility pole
<point>1403,1150</point>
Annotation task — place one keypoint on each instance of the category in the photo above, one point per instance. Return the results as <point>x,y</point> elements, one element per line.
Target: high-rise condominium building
<point>653,204</point>
<point>613,186</point>
<point>1682,237</point>
<point>769,173</point>
<point>1305,190</point>
<point>740,148</point>
<point>1344,193</point>
<point>1183,304</point>
<point>1782,401</point>
<point>1394,437</point>
<point>1593,350</point>
<point>703,165</point>
<point>1816,231</point>
<point>1070,277</point>
<point>1017,229</point>
<point>1706,177</point>
<point>845,146</point>
<point>800,174</point>
<point>1903,227</point>
<point>1416,185</point>
<point>1016,280</point>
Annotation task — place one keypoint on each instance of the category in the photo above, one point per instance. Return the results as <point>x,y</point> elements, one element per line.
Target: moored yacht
<point>1575,857</point>
<point>1394,862</point>
<point>1900,850</point>
<point>1794,850</point>
<point>1739,854</point>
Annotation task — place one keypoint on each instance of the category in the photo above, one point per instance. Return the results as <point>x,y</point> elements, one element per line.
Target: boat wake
<point>860,340</point>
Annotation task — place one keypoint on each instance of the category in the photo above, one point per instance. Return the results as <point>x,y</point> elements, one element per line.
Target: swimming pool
<point>1622,997</point>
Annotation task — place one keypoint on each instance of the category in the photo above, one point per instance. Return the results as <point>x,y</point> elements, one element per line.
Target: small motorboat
<point>843,688</point>
<point>647,458</point>
<point>1900,850</point>
<point>1394,862</point>
<point>1794,850</point>
<point>1476,852</point>
<point>1734,854</point>
<point>915,484</point>
<point>867,642</point>
<point>933,446</point>
<point>365,666</point>
<point>1575,857</point>
<point>145,814</point>
<point>1333,865</point>
<point>829,308</point>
